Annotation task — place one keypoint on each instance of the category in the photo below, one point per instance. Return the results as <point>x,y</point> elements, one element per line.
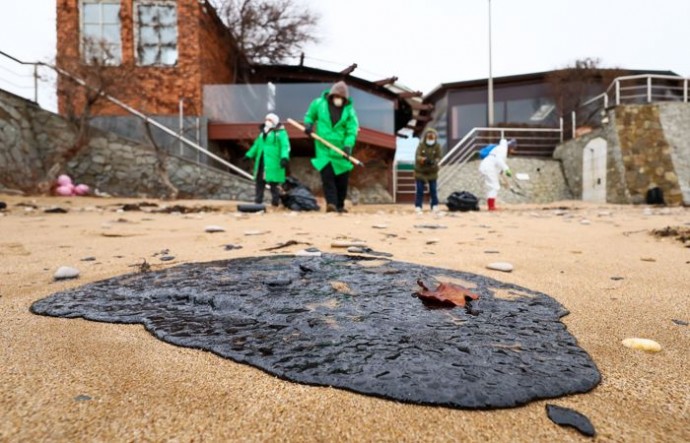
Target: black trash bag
<point>297,197</point>
<point>462,201</point>
<point>655,196</point>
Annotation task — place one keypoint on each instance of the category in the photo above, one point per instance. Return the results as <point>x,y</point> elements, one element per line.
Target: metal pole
<point>560,121</point>
<point>685,91</point>
<point>36,83</point>
<point>491,79</point>
<point>618,92</point>
<point>181,123</point>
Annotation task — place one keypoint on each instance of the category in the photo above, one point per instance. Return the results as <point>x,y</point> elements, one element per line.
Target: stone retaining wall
<point>32,138</point>
<point>648,146</point>
<point>546,182</point>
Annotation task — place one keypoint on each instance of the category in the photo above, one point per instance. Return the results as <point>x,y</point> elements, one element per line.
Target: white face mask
<point>338,101</point>
<point>430,142</point>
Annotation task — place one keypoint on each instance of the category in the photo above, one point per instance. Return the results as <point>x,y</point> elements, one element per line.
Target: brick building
<point>166,50</point>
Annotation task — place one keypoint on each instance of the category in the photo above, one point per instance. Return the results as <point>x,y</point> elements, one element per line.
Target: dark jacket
<point>427,158</point>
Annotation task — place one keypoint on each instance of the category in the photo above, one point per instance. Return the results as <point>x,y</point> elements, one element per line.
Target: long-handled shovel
<point>327,143</point>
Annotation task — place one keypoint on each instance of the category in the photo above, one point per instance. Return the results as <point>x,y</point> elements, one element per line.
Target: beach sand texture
<point>76,380</point>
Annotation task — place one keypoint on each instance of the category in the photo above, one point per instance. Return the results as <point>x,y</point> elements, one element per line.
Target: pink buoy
<point>65,190</point>
<point>81,189</point>
<point>64,179</point>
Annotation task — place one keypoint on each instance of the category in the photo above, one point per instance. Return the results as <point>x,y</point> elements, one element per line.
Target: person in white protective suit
<point>491,167</point>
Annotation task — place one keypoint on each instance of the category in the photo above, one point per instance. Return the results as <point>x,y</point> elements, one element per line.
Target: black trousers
<point>261,187</point>
<point>334,186</point>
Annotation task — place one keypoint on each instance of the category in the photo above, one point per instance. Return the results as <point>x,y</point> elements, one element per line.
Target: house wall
<point>647,147</point>
<point>32,139</point>
<point>205,55</point>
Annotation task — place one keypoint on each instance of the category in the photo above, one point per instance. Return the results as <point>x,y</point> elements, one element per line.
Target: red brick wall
<point>204,56</point>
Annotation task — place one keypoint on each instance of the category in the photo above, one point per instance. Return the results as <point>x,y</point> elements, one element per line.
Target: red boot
<point>492,204</point>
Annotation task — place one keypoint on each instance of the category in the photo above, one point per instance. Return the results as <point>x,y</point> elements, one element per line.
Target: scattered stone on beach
<point>642,344</point>
<point>569,417</point>
<point>432,241</point>
<point>490,251</point>
<point>680,322</point>
<point>230,247</point>
<point>66,273</point>
<point>615,278</point>
<point>430,226</point>
<point>167,258</point>
<point>255,232</point>
<point>369,251</point>
<point>500,266</point>
<point>138,206</point>
<point>82,397</point>
<point>212,229</point>
<point>649,259</point>
<point>181,209</point>
<point>3,206</point>
<point>585,222</point>
<point>56,210</point>
<point>380,226</point>
<point>89,258</point>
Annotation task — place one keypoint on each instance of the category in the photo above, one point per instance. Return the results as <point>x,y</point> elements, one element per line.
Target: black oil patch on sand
<point>348,322</point>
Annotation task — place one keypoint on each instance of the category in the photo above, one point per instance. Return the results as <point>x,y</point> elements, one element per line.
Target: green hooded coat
<point>424,171</point>
<point>273,146</point>
<point>343,133</point>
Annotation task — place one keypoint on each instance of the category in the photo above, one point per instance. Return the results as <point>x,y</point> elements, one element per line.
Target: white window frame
<point>135,11</point>
<point>117,60</point>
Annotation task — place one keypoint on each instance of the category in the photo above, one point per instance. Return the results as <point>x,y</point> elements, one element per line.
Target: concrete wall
<point>31,139</point>
<point>648,146</point>
<point>546,182</point>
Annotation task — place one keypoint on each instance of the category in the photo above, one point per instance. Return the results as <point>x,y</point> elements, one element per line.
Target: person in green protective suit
<point>332,116</point>
<point>271,154</point>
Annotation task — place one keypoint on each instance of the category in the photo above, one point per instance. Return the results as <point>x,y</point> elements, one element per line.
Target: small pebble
<point>380,226</point>
<point>82,398</point>
<point>167,258</point>
<point>346,243</point>
<point>230,247</point>
<point>255,232</point>
<point>432,241</point>
<point>66,273</point>
<point>500,266</point>
<point>88,258</point>
<point>680,322</point>
<point>643,344</point>
<point>213,228</point>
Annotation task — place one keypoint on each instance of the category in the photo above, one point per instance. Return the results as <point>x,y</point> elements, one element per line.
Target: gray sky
<point>425,43</point>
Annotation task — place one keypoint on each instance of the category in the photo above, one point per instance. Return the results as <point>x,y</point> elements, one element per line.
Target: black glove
<point>308,129</point>
<point>347,150</point>
<point>283,163</point>
<point>429,162</point>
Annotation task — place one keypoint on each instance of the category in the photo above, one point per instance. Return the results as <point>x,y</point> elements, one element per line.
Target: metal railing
<point>633,89</point>
<point>35,74</point>
<point>530,142</point>
<point>140,115</point>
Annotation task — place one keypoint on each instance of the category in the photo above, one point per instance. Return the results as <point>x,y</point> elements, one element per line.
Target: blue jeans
<point>419,196</point>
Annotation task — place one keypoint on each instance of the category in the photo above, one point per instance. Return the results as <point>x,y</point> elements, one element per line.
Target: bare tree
<point>268,31</point>
<point>574,85</point>
<point>79,101</point>
<point>103,76</point>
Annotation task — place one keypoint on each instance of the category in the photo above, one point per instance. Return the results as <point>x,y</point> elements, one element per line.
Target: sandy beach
<point>77,380</point>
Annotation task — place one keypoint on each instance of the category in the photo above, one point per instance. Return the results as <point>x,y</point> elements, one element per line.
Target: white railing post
<point>618,92</point>
<point>685,91</point>
<point>574,122</point>
<point>560,121</point>
<point>649,89</point>
<point>606,101</point>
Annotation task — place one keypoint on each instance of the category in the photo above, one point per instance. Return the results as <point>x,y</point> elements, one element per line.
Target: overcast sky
<point>425,43</point>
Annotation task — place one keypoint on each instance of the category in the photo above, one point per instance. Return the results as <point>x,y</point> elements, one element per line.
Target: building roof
<point>512,79</point>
